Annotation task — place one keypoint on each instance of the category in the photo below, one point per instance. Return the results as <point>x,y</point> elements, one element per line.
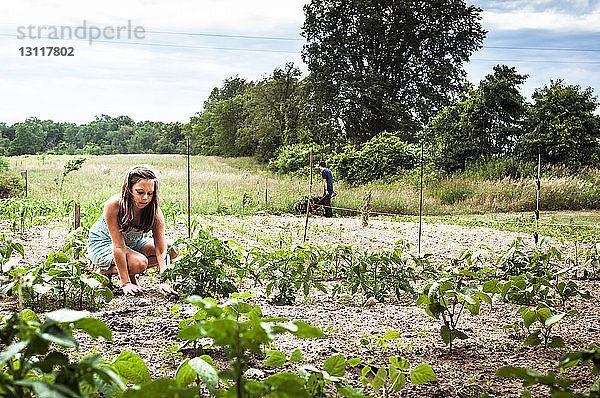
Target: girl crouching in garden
<point>116,243</point>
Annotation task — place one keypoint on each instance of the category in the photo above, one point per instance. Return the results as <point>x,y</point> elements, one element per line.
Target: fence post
<point>24,175</point>
<point>218,205</point>
<point>77,215</point>
<point>257,195</point>
<point>189,192</point>
<point>537,200</point>
<point>366,208</point>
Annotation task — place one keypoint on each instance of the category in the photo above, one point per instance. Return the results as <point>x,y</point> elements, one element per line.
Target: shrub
<point>10,184</point>
<point>4,166</point>
<point>293,158</point>
<point>383,156</point>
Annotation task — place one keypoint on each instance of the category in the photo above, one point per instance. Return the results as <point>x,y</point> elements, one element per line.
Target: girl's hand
<point>166,289</point>
<point>132,289</point>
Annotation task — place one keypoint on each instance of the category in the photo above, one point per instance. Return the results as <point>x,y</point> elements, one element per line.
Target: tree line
<point>105,135</point>
<point>384,77</point>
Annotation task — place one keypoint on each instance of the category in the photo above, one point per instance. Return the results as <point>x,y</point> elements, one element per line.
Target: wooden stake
<point>77,215</point>
<point>266,193</point>
<point>421,201</point>
<point>258,195</point>
<point>24,175</point>
<point>189,191</point>
<point>537,200</point>
<point>218,207</point>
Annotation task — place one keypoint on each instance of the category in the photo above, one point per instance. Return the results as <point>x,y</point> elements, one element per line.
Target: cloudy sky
<point>184,48</point>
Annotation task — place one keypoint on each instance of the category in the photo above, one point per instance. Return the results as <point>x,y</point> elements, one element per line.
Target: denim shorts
<point>100,245</point>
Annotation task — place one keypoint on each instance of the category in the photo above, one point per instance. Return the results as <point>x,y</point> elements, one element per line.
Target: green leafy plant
<point>63,279</point>
<point>517,261</point>
<point>288,270</point>
<point>545,318</point>
<point>377,340</point>
<point>33,362</point>
<point>69,167</point>
<point>392,378</point>
<point>559,387</point>
<point>205,266</point>
<point>380,274</point>
<point>446,298</point>
<point>240,330</point>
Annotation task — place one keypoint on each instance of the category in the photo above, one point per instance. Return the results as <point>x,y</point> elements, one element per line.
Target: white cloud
<point>550,20</point>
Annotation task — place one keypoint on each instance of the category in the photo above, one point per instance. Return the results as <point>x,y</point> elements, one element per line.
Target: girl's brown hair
<point>133,176</point>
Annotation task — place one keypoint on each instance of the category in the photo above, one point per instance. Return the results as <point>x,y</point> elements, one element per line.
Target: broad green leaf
<point>278,378</point>
<point>207,373</point>
<point>275,358</point>
<point>94,327</point>
<point>529,317</point>
<point>160,388</point>
<point>466,298</point>
<point>422,374</point>
<point>296,356</point>
<point>67,316</point>
<point>457,334</point>
<point>397,378</point>
<point>190,333</point>
<point>543,314</point>
<point>291,389</point>
<point>11,351</point>
<point>29,316</point>
<point>335,365</point>
<point>185,375</point>
<point>58,336</point>
<point>391,335</point>
<point>484,297</point>
<point>306,331</point>
<point>519,373</point>
<point>533,339</point>
<point>380,379</point>
<point>131,368</point>
<point>400,363</point>
<point>354,362</point>
<point>54,358</point>
<point>556,342</point>
<point>445,334</point>
<point>550,321</point>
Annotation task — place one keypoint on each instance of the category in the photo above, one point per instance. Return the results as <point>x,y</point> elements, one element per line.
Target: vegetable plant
<point>392,378</point>
<point>560,386</point>
<point>287,270</point>
<point>545,318</point>
<point>446,299</point>
<point>32,361</point>
<point>204,266</point>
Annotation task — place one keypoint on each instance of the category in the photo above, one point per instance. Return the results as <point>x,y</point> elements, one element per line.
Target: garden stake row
<point>537,201</point>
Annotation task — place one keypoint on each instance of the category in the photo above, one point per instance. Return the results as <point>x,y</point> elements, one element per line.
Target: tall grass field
<point>237,186</point>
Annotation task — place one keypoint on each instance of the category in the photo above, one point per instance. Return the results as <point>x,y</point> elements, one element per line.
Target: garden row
<point>541,280</point>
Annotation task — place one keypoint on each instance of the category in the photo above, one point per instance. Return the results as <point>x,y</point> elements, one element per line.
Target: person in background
<point>325,201</point>
<point>117,244</point>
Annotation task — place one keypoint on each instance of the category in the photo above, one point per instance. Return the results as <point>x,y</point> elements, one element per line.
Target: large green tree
<point>388,64</point>
<point>484,122</point>
<point>29,137</point>
<point>562,126</point>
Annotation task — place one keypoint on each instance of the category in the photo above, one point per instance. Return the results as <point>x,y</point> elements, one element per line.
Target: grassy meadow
<point>241,187</point>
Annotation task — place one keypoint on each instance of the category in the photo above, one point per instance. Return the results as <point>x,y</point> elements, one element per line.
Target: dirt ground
<point>145,325</point>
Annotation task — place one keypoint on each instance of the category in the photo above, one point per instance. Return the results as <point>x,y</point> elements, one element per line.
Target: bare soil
<point>145,325</point>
